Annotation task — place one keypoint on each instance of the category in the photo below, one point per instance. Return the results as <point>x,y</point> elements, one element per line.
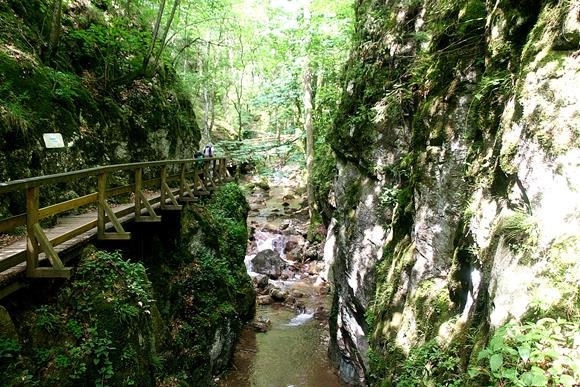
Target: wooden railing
<point>195,177</point>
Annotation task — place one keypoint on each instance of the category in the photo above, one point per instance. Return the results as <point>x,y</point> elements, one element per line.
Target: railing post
<point>182,182</point>
<point>137,192</point>
<point>102,188</point>
<point>104,209</point>
<point>224,169</point>
<point>215,172</point>
<point>162,184</point>
<point>31,220</point>
<point>208,180</point>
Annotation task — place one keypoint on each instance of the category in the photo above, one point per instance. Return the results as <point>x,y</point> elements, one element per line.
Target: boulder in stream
<point>268,262</point>
<point>312,252</point>
<point>261,281</point>
<point>261,324</point>
<point>279,294</point>
<point>264,299</point>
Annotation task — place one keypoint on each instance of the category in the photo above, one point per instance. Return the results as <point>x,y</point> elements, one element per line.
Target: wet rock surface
<point>268,262</point>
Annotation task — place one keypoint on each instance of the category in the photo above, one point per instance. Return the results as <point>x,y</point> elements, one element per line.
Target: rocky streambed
<point>286,343</point>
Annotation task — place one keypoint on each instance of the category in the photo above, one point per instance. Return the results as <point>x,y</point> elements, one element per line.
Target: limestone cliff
<point>458,178</point>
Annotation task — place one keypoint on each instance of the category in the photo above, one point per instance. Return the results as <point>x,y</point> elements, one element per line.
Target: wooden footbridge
<point>171,182</point>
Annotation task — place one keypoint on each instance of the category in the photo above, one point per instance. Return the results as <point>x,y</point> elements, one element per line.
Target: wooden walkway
<point>38,254</point>
<point>16,251</point>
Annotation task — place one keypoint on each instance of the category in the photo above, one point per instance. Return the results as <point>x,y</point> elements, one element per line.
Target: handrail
<point>21,184</point>
<point>204,178</point>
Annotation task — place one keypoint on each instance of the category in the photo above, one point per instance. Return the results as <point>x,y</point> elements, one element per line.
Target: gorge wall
<point>457,185</point>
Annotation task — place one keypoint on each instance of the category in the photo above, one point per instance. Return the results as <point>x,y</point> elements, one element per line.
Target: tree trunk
<point>206,113</point>
<point>154,37</point>
<point>55,28</point>
<point>309,130</point>
<point>164,38</point>
<point>212,113</point>
<point>307,84</point>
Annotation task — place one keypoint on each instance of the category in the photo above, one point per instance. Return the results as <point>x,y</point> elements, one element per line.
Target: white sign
<point>53,140</point>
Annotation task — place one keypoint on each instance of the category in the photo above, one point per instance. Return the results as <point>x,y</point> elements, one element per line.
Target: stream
<point>286,344</point>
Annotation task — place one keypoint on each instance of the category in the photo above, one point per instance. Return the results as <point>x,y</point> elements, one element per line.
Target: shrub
<point>542,353</point>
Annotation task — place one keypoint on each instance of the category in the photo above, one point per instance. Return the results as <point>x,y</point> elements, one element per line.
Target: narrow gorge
<point>314,193</point>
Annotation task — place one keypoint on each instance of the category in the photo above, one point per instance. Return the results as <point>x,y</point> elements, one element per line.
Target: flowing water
<point>293,352</point>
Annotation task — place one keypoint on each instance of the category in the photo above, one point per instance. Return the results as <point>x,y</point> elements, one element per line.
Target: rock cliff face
<point>458,177</point>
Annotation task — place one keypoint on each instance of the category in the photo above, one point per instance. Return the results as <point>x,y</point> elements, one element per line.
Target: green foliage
<point>9,348</point>
<point>230,201</point>
<point>431,365</point>
<point>541,353</point>
<point>89,335</point>
<point>46,319</point>
<point>519,230</point>
<point>488,101</point>
<point>389,197</point>
<point>117,48</point>
<point>124,284</point>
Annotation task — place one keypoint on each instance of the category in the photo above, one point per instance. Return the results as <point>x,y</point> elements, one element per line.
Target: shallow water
<point>293,352</point>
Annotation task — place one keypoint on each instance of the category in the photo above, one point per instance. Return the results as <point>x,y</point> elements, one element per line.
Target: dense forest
<point>430,148</point>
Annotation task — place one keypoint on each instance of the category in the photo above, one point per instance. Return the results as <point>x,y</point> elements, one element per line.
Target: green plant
<point>157,362</point>
<point>541,353</point>
<point>124,283</point>
<point>75,328</point>
<point>101,347</point>
<point>46,319</point>
<point>519,230</point>
<point>9,348</point>
<point>62,361</point>
<point>388,196</point>
<point>431,365</point>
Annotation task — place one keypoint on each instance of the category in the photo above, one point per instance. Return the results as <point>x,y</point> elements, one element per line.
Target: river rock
<point>274,215</point>
<point>294,255</point>
<point>311,252</point>
<point>261,281</point>
<point>265,299</point>
<point>294,242</point>
<point>261,324</point>
<point>288,273</point>
<point>314,268</point>
<point>321,314</point>
<point>268,262</point>
<point>279,294</point>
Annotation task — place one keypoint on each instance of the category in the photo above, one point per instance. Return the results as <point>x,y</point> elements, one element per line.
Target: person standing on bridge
<point>208,150</point>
